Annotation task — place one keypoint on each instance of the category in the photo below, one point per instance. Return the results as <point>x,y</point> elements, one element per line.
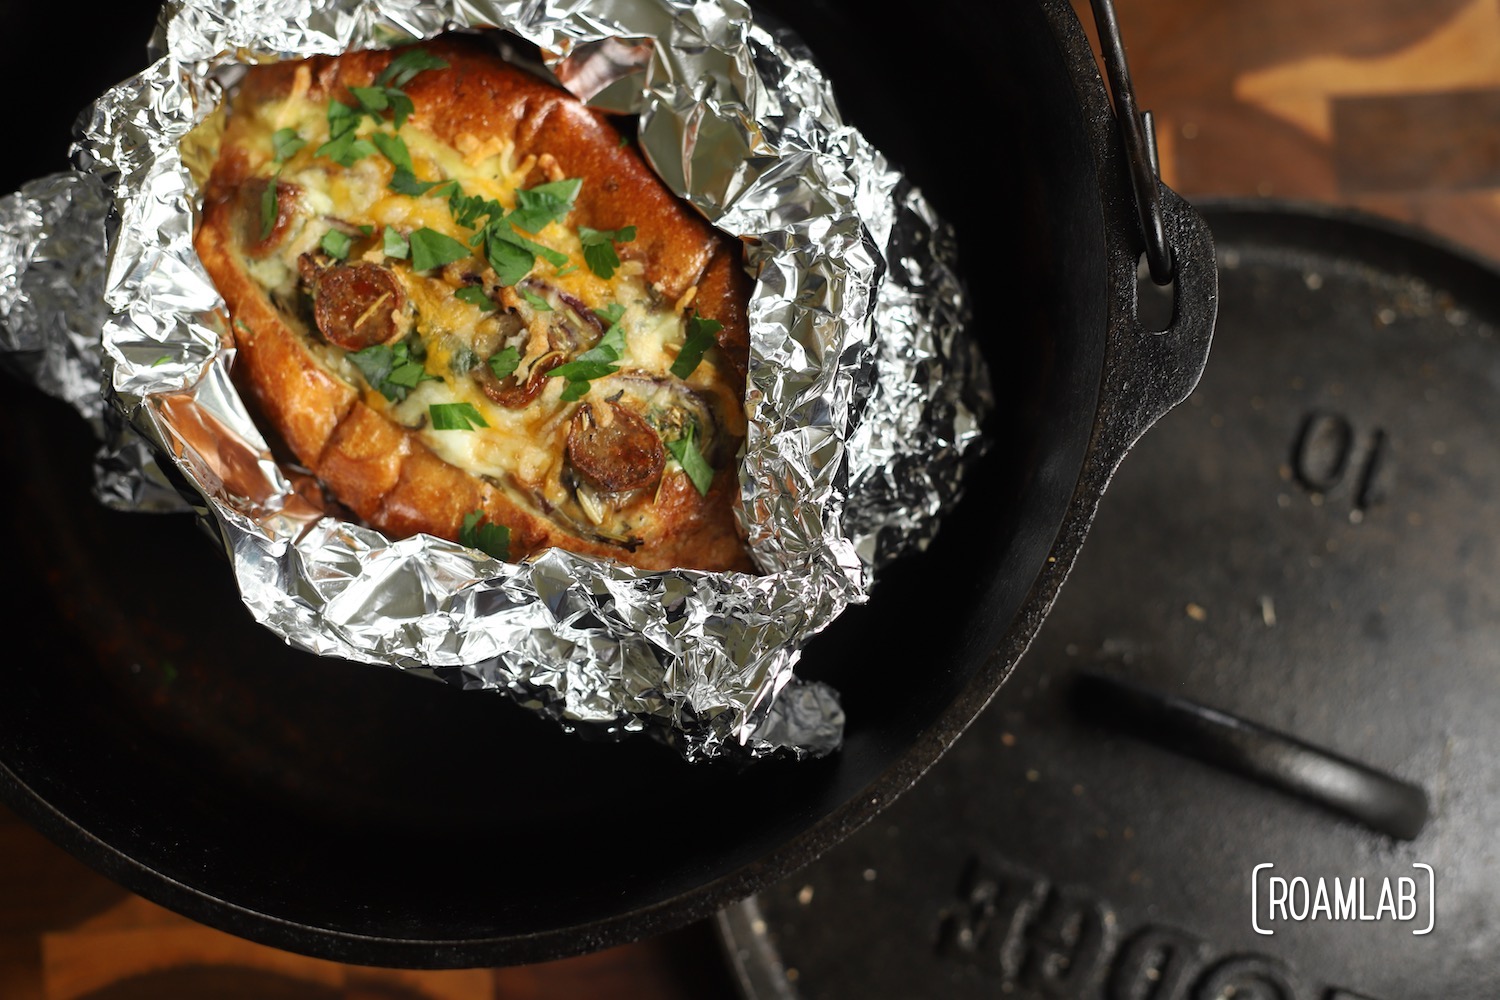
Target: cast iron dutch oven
<point>350,812</point>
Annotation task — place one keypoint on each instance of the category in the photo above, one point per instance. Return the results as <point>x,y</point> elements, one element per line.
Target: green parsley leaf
<point>407,375</point>
<point>430,248</point>
<point>342,119</point>
<point>486,536</point>
<point>574,391</point>
<point>371,99</point>
<point>700,337</point>
<point>336,244</point>
<point>455,417</point>
<point>504,363</point>
<point>611,313</point>
<point>611,347</point>
<point>401,106</point>
<point>567,270</point>
<point>474,296</point>
<point>537,302</point>
<point>692,461</point>
<point>367,230</point>
<point>285,143</point>
<point>537,206</point>
<point>374,363</point>
<point>407,64</point>
<point>268,209</point>
<point>392,371</point>
<point>467,210</point>
<point>403,181</point>
<point>511,262</point>
<point>583,370</point>
<point>508,233</point>
<point>394,244</point>
<point>394,148</point>
<point>343,147</point>
<point>599,248</point>
<point>346,150</point>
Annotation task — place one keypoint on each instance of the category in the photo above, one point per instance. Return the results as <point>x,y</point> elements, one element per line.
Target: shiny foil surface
<point>864,394</point>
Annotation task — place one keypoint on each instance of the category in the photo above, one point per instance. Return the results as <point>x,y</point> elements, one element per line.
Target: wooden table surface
<point>1392,106</point>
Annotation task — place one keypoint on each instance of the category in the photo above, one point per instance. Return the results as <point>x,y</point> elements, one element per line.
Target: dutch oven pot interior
<point>356,814</point>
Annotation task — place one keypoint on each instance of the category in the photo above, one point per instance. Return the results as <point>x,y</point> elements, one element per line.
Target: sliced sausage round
<point>623,454</point>
<point>359,305</point>
<point>509,391</point>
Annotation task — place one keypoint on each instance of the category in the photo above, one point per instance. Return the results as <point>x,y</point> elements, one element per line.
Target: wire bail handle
<point>1139,134</point>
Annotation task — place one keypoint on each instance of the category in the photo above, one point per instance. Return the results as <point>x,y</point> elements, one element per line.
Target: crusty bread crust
<point>383,472</point>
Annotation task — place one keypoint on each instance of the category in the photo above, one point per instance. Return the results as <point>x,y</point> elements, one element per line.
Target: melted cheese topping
<point>522,449</point>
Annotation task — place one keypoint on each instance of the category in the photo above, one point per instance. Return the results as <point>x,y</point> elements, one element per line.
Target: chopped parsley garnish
<point>486,536</point>
<point>391,371</point>
<point>343,146</point>
<point>268,208</point>
<point>468,209</point>
<point>372,99</point>
<point>692,461</point>
<point>505,233</point>
<point>455,417</point>
<point>394,149</point>
<point>597,361</point>
<point>405,182</point>
<point>504,363</point>
<point>599,248</point>
<point>511,262</point>
<point>611,346</point>
<point>474,296</point>
<point>407,64</point>
<point>285,143</point>
<point>394,244</point>
<point>367,230</point>
<point>537,302</point>
<point>700,337</point>
<point>537,206</point>
<point>430,248</point>
<point>498,234</point>
<point>580,373</point>
<point>336,244</point>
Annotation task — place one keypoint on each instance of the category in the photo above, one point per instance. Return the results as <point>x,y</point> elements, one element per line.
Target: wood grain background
<point>1391,106</point>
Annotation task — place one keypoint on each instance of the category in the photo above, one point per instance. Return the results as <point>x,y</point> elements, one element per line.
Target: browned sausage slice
<point>512,393</point>
<point>359,305</point>
<point>623,454</point>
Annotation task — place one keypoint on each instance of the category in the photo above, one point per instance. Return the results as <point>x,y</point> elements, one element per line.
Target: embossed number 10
<point>1326,448</point>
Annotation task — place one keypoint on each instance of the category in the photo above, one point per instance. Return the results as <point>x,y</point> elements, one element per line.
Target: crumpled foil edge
<point>856,440</point>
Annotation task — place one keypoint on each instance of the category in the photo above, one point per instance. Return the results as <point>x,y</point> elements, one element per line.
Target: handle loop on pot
<point>1140,145</point>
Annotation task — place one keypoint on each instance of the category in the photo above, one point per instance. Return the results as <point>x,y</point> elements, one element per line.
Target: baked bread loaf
<point>467,305</point>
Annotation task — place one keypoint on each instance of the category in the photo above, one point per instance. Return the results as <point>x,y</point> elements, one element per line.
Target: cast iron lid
<point>1308,548</point>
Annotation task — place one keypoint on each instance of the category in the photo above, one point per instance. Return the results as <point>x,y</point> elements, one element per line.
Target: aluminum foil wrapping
<point>864,395</point>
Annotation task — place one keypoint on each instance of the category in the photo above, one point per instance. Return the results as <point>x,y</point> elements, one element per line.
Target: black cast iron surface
<point>350,812</point>
<point>1308,545</point>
